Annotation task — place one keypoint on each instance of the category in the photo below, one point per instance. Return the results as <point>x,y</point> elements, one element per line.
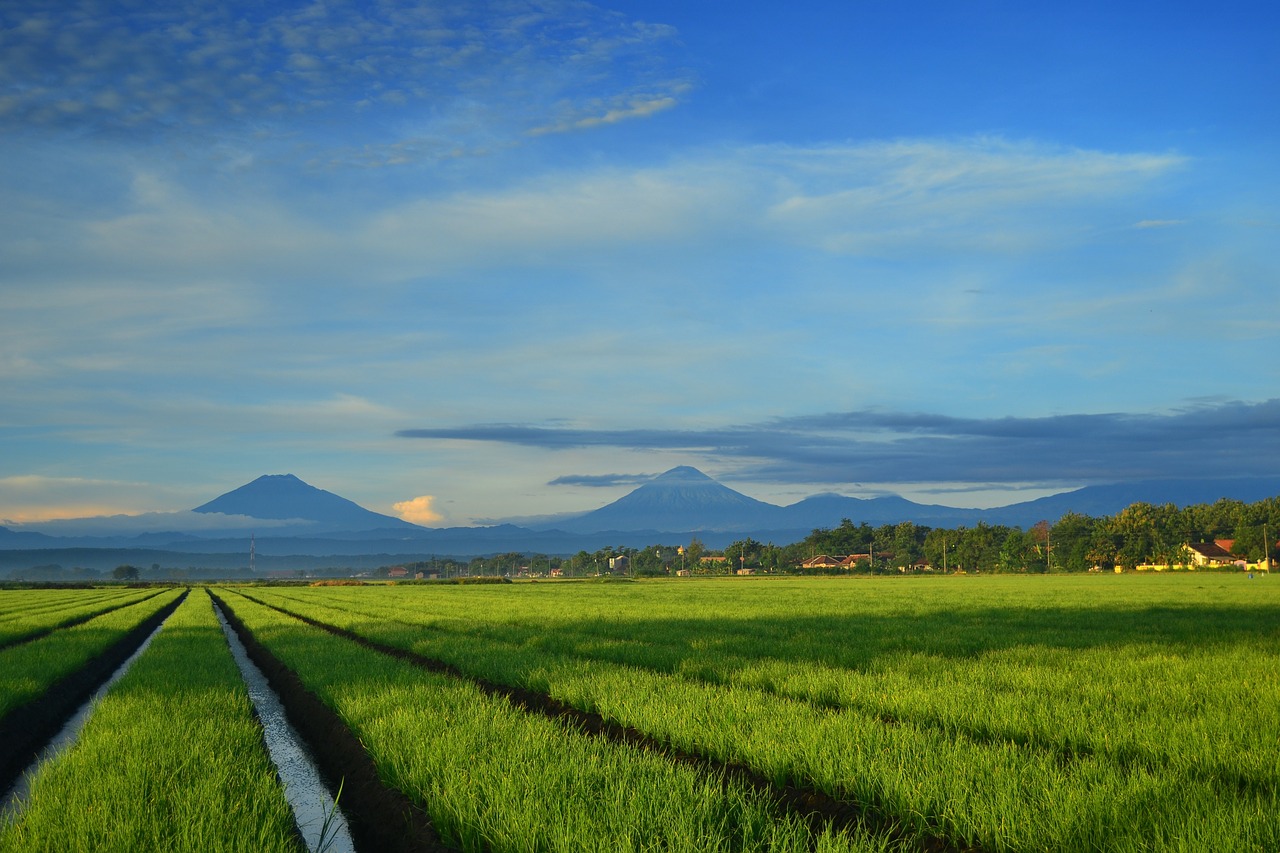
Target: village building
<point>821,561</point>
<point>1211,554</point>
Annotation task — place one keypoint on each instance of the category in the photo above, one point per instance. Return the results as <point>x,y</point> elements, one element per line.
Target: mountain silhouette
<point>295,521</point>
<point>682,499</point>
<point>285,497</point>
<point>685,500</point>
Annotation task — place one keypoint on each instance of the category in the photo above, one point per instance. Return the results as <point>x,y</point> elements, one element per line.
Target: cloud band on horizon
<point>1226,439</point>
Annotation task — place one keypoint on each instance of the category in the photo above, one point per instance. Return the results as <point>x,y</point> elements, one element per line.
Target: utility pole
<point>1266,548</point>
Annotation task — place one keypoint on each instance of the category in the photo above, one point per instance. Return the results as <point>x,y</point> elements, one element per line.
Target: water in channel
<point>318,816</point>
<point>67,735</point>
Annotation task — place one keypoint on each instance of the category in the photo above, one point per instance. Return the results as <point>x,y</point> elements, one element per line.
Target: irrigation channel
<point>380,817</point>
<point>319,818</point>
<point>320,821</point>
<point>818,808</point>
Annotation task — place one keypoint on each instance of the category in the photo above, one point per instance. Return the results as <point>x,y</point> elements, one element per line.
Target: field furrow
<point>170,759</point>
<point>43,682</point>
<point>1009,745</point>
<point>1112,713</point>
<point>492,776</point>
<point>820,809</point>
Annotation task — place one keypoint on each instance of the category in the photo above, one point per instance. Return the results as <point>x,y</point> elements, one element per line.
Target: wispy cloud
<point>1208,440</point>
<point>982,194</point>
<point>199,67</point>
<point>88,520</point>
<point>923,199</point>
<point>27,498</point>
<point>632,109</point>
<point>169,281</point>
<point>602,480</point>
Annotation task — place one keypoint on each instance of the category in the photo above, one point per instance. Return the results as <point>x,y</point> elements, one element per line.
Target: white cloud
<point>169,282</point>
<point>870,199</point>
<point>1159,223</point>
<point>28,498</point>
<point>86,520</point>
<point>245,314</point>
<point>635,108</point>
<point>981,194</point>
<point>419,510</point>
<point>554,220</point>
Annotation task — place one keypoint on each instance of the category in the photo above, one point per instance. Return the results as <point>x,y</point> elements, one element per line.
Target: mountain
<point>297,525</point>
<point>827,510</point>
<point>283,497</point>
<point>682,499</point>
<point>1111,498</point>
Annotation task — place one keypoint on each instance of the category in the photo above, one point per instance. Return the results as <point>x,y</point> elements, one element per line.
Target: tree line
<point>1140,534</point>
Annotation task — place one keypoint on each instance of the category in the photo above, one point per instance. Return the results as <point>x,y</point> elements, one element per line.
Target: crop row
<point>1161,685</point>
<point>16,603</point>
<point>27,614</point>
<point>494,776</point>
<point>1114,682</point>
<point>170,759</point>
<point>1066,726</point>
<point>28,670</point>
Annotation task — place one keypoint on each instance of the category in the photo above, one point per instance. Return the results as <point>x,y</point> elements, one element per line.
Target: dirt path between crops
<point>819,808</point>
<point>26,730</point>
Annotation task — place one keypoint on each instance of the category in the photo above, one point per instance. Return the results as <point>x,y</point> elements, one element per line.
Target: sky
<point>471,261</point>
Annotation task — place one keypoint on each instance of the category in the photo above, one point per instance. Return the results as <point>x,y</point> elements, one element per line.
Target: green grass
<point>18,603</point>
<point>171,759</point>
<point>27,612</point>
<point>1015,713</point>
<point>494,778</point>
<point>29,669</point>
<point>1058,713</point>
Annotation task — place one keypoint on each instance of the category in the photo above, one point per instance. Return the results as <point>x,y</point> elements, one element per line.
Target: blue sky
<point>469,261</point>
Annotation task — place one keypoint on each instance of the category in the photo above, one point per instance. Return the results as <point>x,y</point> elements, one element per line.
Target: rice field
<point>1058,713</point>
<point>28,669</point>
<point>170,759</point>
<point>27,614</point>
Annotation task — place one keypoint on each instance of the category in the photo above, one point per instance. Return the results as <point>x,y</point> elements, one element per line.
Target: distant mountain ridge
<point>672,501</point>
<point>686,500</point>
<point>286,516</point>
<point>284,497</point>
